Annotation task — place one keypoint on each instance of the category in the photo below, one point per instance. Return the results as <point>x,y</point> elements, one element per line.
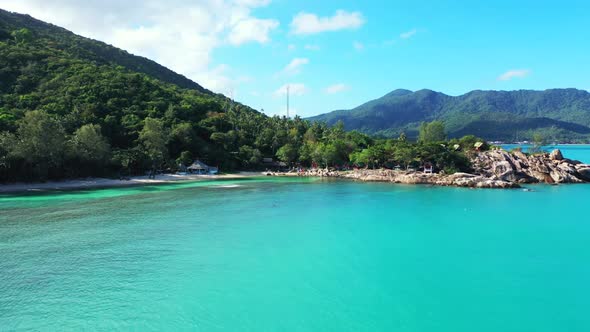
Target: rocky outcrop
<point>456,180</point>
<point>408,177</point>
<point>556,155</point>
<point>521,168</point>
<point>492,169</point>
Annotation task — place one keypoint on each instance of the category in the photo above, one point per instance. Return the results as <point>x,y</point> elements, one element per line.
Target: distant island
<point>561,115</point>
<point>72,107</point>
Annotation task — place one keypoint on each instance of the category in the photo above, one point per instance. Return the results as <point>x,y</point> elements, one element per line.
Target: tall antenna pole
<point>287,101</point>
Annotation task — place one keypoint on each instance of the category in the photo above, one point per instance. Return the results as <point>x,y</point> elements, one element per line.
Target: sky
<point>340,54</point>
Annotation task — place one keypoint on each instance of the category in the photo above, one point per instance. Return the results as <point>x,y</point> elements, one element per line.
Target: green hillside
<point>561,114</point>
<point>90,50</point>
<point>71,106</point>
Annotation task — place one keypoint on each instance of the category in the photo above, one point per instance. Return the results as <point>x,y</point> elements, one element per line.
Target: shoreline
<point>104,183</point>
<point>491,169</point>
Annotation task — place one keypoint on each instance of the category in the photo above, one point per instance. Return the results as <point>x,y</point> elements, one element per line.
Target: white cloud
<point>222,79</point>
<point>178,34</point>
<point>515,73</point>
<point>252,30</point>
<point>308,24</point>
<point>311,47</point>
<point>291,47</point>
<point>294,67</point>
<point>336,88</point>
<point>358,46</point>
<point>408,34</point>
<point>295,89</point>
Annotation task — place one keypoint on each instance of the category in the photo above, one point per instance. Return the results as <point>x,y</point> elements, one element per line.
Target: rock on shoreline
<point>408,177</point>
<point>539,168</point>
<point>491,169</point>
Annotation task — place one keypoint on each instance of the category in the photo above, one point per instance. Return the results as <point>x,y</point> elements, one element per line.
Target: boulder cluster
<point>457,179</point>
<point>491,169</point>
<point>518,167</point>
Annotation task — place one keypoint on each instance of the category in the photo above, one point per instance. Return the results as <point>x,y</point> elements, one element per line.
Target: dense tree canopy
<point>432,132</point>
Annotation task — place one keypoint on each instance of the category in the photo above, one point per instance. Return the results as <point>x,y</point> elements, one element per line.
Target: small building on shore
<point>199,167</point>
<point>269,163</point>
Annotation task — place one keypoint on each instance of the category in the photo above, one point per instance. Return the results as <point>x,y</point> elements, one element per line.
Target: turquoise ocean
<point>270,254</point>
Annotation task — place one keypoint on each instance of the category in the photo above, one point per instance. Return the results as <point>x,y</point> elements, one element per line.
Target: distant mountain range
<point>561,114</point>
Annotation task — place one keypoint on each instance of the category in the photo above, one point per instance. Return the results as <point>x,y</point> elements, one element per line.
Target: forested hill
<point>70,106</point>
<point>73,107</point>
<point>90,50</point>
<point>560,114</point>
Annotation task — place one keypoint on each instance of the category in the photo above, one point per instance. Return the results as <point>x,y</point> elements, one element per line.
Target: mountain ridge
<point>491,114</point>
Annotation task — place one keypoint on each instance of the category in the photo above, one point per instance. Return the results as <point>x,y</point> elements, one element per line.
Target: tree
<point>432,132</point>
<point>404,154</point>
<point>154,139</point>
<point>23,35</point>
<point>360,158</point>
<point>249,155</point>
<point>41,142</point>
<point>287,153</point>
<point>185,159</point>
<point>538,142</point>
<point>89,145</point>
<point>325,153</point>
<point>183,137</point>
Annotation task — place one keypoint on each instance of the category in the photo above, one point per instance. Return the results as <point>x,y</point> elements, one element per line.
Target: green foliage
<point>469,143</point>
<point>154,139</point>
<point>185,159</point>
<point>538,142</point>
<point>90,145</point>
<point>287,153</point>
<point>251,156</point>
<point>71,106</point>
<point>23,35</point>
<point>432,132</point>
<point>41,144</point>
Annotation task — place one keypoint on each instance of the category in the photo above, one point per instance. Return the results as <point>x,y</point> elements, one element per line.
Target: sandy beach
<point>94,183</point>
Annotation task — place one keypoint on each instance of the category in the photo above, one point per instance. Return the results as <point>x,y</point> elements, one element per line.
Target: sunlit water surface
<point>296,255</point>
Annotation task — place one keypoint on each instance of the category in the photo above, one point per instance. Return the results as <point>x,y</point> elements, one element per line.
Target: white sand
<point>89,183</point>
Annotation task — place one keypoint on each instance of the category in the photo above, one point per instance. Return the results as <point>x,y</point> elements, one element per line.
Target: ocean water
<point>296,255</point>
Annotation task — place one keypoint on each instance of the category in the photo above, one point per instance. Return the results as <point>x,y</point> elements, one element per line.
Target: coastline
<point>494,169</point>
<point>101,183</point>
<point>491,169</point>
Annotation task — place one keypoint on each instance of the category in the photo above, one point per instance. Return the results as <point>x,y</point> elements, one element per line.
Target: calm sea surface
<point>296,255</point>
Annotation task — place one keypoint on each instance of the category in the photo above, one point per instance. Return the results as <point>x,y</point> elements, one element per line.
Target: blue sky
<point>339,54</point>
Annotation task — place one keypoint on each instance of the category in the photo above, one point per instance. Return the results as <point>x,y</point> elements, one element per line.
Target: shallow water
<point>296,255</point>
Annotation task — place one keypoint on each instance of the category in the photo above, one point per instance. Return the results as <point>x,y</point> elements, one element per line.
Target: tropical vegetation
<point>75,107</point>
